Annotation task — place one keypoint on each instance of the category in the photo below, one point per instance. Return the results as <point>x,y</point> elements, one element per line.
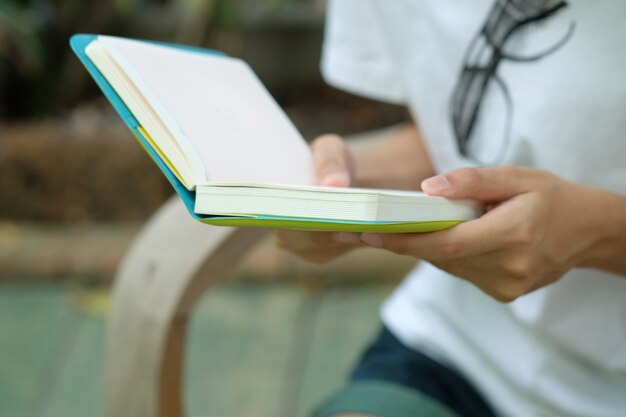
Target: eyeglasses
<point>485,52</point>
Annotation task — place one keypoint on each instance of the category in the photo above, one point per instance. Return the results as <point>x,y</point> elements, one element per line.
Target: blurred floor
<point>255,349</point>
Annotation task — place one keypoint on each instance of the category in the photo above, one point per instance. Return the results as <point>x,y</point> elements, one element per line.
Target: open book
<point>230,151</point>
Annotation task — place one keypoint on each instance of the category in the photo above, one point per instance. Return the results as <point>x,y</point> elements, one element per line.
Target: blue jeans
<point>393,380</point>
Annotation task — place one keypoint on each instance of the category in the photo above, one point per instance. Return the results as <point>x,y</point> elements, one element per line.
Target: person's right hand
<point>334,167</point>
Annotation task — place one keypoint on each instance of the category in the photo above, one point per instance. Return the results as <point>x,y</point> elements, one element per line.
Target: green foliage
<point>226,13</point>
<point>278,3</point>
<point>39,74</point>
<point>18,38</point>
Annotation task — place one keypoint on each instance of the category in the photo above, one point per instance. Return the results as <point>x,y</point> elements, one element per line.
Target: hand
<point>334,167</point>
<point>536,227</point>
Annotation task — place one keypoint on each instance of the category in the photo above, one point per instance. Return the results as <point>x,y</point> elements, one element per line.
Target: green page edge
<point>327,226</point>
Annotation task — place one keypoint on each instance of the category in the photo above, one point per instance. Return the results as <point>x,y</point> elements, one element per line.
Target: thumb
<point>333,164</point>
<point>484,184</point>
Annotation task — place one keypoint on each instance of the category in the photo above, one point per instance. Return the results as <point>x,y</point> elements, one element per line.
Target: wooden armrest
<point>167,269</point>
<point>170,264</point>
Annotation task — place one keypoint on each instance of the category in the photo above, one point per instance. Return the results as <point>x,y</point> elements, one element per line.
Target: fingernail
<point>345,237</point>
<point>336,179</point>
<point>437,183</point>
<point>372,240</point>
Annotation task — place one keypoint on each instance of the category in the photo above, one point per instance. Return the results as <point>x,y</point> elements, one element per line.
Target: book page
<point>222,116</point>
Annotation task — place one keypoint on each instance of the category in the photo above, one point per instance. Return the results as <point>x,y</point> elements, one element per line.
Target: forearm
<point>608,251</point>
<point>401,162</point>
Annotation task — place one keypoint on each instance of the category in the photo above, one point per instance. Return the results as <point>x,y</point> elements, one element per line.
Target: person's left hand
<point>535,228</point>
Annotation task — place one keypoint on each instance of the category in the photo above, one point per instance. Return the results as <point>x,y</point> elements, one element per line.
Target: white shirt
<point>560,350</point>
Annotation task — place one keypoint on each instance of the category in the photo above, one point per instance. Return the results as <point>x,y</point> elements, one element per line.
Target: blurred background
<point>75,189</point>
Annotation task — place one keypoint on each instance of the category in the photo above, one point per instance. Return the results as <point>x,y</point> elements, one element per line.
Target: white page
<point>217,108</point>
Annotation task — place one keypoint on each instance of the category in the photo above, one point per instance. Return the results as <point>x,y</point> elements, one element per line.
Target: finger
<point>485,273</point>
<point>300,241</point>
<point>297,241</point>
<point>332,163</point>
<point>489,233</point>
<point>500,287</point>
<point>484,184</point>
<point>317,247</point>
<point>347,237</point>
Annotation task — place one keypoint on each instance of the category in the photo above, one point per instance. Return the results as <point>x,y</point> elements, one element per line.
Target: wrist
<point>608,242</point>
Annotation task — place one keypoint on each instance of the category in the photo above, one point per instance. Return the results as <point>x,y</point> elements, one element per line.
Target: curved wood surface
<point>169,266</point>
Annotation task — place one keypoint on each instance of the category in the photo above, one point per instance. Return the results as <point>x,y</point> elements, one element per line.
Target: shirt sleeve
<point>355,57</point>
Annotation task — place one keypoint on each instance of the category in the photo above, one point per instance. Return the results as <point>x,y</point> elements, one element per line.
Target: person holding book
<point>519,105</point>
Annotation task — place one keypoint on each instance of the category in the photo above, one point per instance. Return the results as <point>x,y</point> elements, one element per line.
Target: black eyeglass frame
<point>505,18</point>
